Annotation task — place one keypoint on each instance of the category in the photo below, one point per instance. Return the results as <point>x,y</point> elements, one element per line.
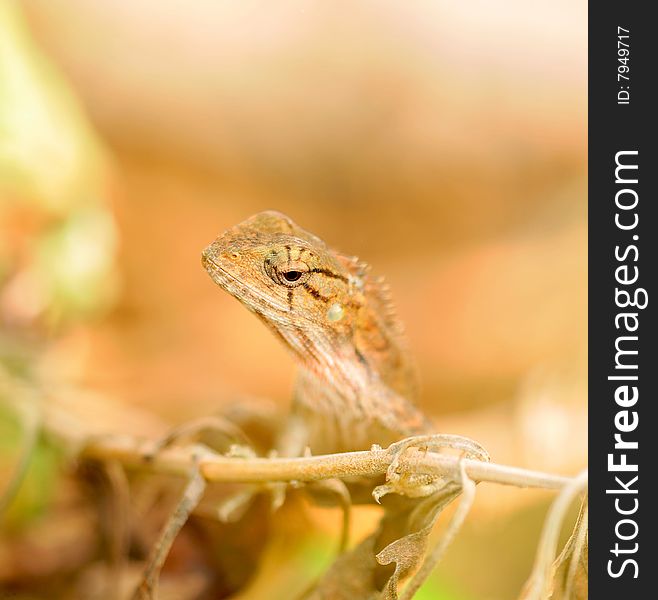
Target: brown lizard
<point>357,382</point>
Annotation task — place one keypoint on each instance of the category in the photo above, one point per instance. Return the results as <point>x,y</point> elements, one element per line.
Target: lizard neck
<point>353,363</point>
<point>337,421</point>
<point>364,349</point>
<point>357,392</point>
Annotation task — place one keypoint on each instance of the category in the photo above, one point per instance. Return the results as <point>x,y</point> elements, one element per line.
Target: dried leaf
<point>374,569</point>
<point>571,567</point>
<point>564,578</point>
<point>408,552</point>
<point>350,576</point>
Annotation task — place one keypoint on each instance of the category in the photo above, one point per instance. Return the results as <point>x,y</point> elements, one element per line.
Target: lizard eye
<point>288,273</point>
<point>291,276</point>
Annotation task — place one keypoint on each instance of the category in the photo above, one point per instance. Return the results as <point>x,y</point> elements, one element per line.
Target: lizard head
<point>280,271</point>
<point>324,305</point>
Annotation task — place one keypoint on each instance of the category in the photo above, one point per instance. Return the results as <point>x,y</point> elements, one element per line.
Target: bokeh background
<point>443,142</point>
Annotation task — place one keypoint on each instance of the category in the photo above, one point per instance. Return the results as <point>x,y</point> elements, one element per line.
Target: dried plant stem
<point>541,577</point>
<point>192,494</point>
<point>133,453</point>
<point>463,508</point>
<point>579,541</point>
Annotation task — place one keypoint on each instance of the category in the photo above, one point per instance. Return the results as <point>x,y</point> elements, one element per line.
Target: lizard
<point>357,383</point>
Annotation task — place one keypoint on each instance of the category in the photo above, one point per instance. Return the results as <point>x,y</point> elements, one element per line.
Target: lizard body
<point>355,388</point>
<point>357,383</point>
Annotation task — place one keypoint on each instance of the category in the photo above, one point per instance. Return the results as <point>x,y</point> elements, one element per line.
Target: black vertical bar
<point>622,125</point>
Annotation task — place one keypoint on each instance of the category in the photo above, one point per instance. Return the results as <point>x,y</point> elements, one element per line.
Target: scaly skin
<point>357,382</point>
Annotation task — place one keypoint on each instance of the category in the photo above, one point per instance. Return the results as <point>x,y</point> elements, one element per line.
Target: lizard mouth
<point>208,263</point>
<point>218,274</point>
<point>250,295</point>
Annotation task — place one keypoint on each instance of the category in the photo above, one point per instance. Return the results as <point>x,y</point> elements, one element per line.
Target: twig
<point>133,453</point>
<point>148,587</point>
<point>540,578</point>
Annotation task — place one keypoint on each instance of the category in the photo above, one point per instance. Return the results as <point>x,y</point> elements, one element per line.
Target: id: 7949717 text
<point>623,67</point>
